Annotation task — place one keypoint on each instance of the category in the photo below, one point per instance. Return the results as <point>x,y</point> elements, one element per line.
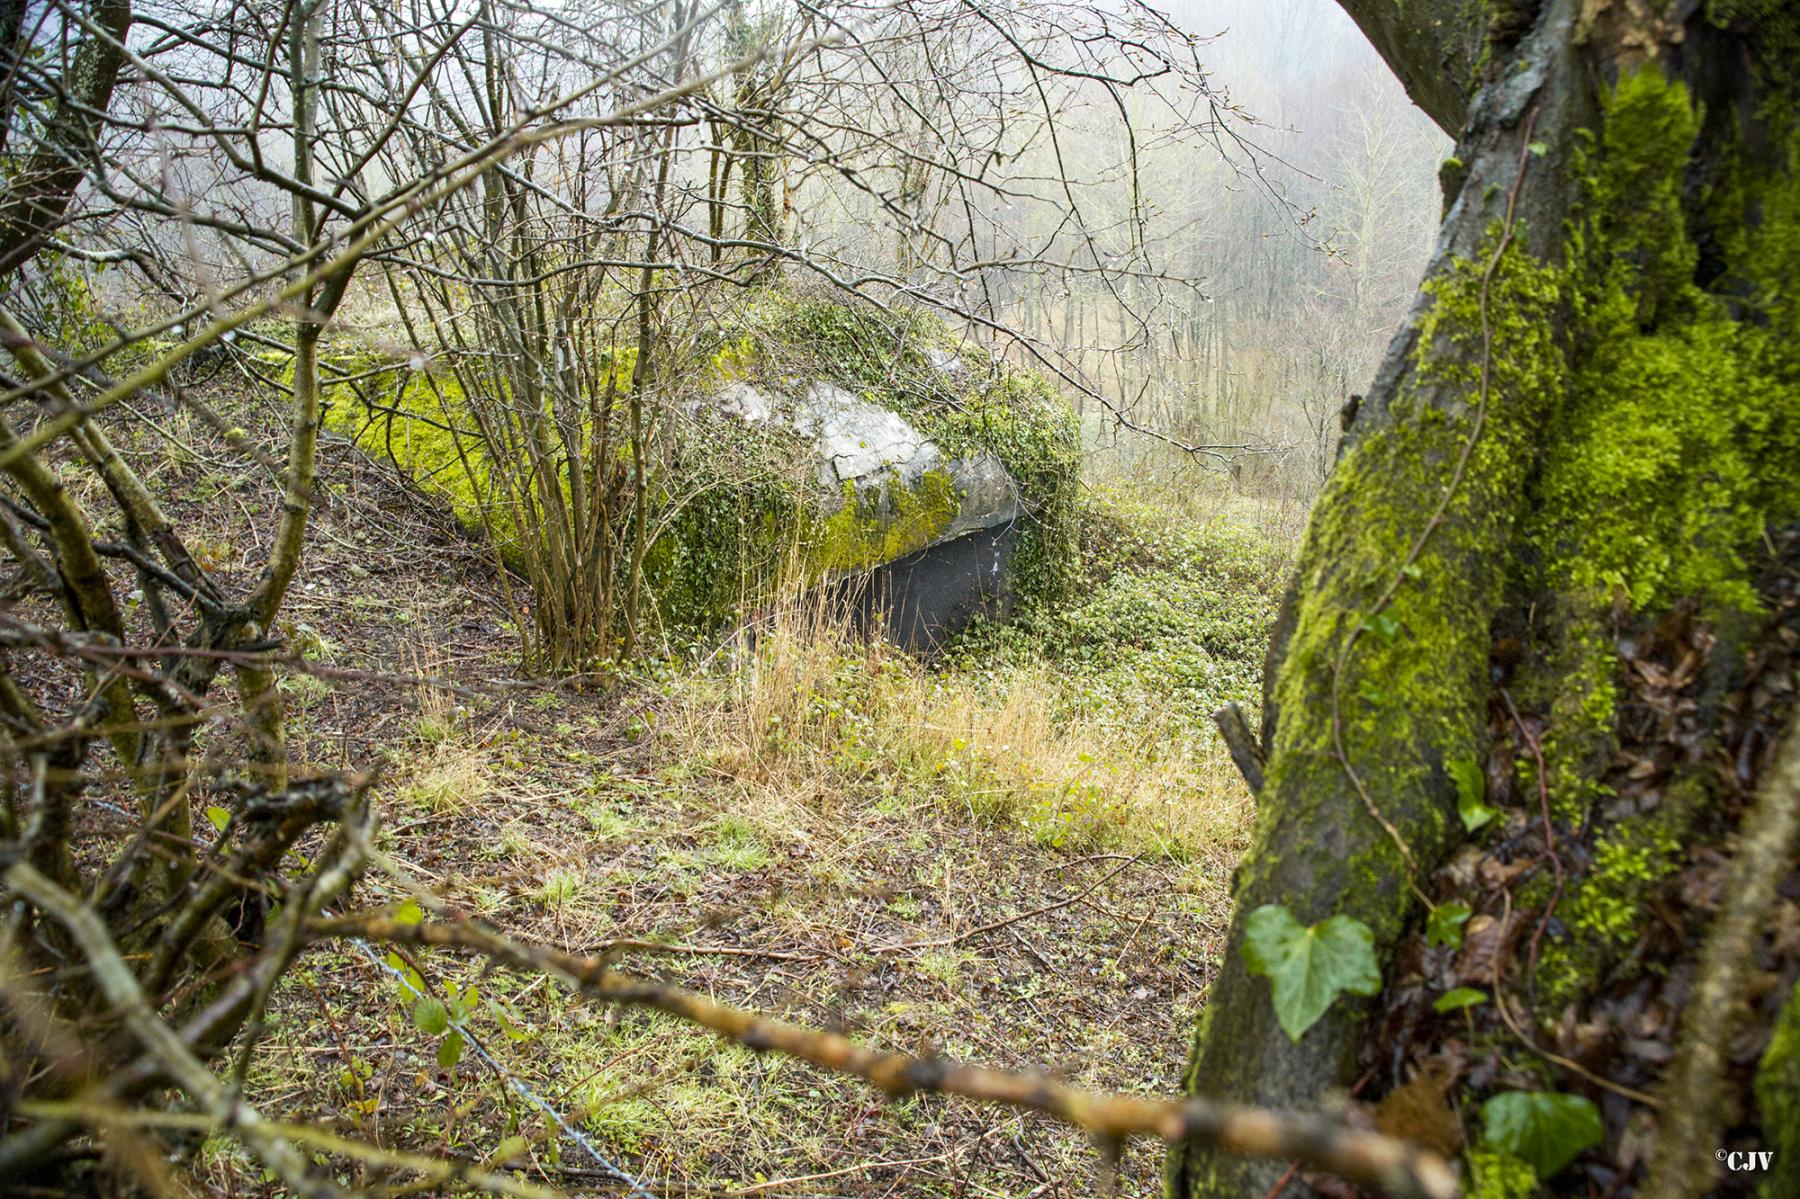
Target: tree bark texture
<point>1620,237</point>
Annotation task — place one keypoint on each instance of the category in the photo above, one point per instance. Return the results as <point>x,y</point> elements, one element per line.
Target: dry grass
<point>449,779</point>
<point>1057,776</point>
<point>809,700</point>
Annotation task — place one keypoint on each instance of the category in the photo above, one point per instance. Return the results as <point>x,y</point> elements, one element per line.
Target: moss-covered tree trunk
<point>1589,420</point>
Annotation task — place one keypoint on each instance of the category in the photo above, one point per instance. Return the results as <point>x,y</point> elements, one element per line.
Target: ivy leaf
<point>1549,1129</point>
<point>1308,968</point>
<point>1471,794</point>
<point>1444,926</point>
<point>1458,998</point>
<point>430,1016</point>
<point>451,1051</point>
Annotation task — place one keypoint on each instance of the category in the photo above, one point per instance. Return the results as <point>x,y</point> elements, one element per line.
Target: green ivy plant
<point>1445,924</point>
<point>1308,968</point>
<point>1548,1129</point>
<point>1471,794</point>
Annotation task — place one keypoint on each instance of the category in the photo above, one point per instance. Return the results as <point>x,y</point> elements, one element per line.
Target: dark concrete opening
<point>929,596</point>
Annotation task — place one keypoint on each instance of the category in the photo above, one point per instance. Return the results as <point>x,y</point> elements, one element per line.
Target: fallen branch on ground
<point>1394,1165</point>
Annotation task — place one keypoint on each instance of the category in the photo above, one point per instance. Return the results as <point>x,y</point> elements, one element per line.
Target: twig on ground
<point>1402,1169</point>
<point>996,925</point>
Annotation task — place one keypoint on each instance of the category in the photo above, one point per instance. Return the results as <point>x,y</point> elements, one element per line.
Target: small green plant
<point>1308,968</point>
<point>304,689</point>
<point>604,819</point>
<point>943,965</point>
<point>1471,794</point>
<point>1546,1129</point>
<point>308,642</point>
<point>434,728</point>
<point>560,890</point>
<point>1445,924</point>
<point>1079,813</point>
<point>439,1017</point>
<point>738,845</point>
<point>1458,998</point>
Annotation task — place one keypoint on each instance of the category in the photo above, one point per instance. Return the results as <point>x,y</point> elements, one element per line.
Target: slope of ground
<point>1018,856</point>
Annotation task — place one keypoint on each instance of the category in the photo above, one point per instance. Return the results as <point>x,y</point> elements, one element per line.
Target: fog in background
<point>1204,219</point>
<point>1296,302</point>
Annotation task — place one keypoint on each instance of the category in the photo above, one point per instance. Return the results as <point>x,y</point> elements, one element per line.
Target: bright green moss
<point>1658,479</point>
<point>734,358</point>
<point>420,421</point>
<point>1495,1174</point>
<point>1580,690</point>
<point>1607,903</point>
<point>860,534</point>
<point>1675,450</point>
<point>1778,1101</point>
<point>1679,441</point>
<point>1603,909</point>
<point>1415,688</point>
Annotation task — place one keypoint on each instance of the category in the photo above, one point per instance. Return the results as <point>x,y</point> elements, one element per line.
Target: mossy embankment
<point>733,510</point>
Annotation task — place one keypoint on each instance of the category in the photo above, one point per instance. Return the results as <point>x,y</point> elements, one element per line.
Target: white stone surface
<point>740,401</point>
<point>859,439</point>
<point>871,447</point>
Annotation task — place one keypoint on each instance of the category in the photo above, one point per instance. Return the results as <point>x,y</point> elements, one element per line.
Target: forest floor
<point>1018,855</point>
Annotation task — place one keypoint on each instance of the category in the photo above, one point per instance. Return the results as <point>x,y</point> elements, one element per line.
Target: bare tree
<point>545,204</point>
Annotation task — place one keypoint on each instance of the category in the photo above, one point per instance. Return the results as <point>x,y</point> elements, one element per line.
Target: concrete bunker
<point>914,538</point>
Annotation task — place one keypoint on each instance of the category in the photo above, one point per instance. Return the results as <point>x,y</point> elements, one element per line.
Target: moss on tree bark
<point>1631,331</point>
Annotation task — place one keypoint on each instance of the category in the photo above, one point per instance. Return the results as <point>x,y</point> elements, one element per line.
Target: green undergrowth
<point>418,419</point>
<point>1169,620</point>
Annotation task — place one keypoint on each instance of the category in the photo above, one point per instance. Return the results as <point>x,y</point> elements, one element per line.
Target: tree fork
<point>1317,848</point>
<point>1617,240</point>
